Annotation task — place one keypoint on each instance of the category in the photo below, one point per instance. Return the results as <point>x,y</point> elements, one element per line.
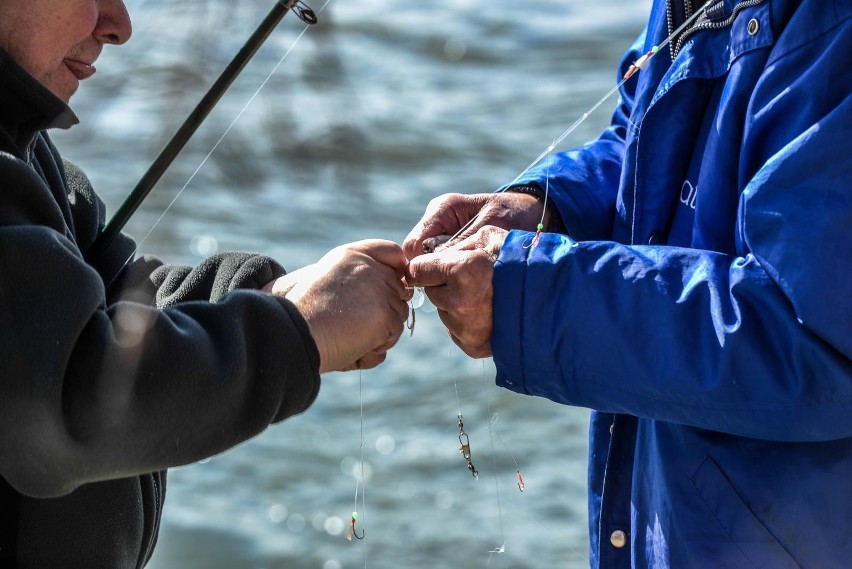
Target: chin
<point>62,86</point>
<point>65,93</point>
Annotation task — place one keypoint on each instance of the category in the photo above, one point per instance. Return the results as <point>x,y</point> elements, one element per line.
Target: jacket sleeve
<point>95,389</point>
<point>149,280</point>
<point>582,183</point>
<point>757,345</point>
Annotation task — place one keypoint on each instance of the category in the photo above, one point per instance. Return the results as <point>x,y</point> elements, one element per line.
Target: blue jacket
<point>714,342</point>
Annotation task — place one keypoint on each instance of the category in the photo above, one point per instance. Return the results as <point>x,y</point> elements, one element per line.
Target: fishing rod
<point>194,120</point>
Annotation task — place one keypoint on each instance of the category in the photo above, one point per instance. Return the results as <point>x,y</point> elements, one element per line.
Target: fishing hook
<point>350,533</point>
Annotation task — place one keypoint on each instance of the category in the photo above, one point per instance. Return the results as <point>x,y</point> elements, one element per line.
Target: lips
<point>80,69</point>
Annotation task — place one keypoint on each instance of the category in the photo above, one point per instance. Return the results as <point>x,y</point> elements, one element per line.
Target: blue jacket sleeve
<point>757,345</point>
<point>582,183</point>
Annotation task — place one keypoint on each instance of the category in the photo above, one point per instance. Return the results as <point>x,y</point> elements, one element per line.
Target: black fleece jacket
<point>102,389</point>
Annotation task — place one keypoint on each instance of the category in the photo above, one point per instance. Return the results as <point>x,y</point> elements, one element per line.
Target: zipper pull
<point>716,12</point>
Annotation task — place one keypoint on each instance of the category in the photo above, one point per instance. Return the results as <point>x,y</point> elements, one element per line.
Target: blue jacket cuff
<point>508,333</point>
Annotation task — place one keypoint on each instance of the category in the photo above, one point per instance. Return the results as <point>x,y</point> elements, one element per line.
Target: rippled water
<point>382,106</point>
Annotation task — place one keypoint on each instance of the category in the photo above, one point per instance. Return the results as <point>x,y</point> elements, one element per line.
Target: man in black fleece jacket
<point>112,372</point>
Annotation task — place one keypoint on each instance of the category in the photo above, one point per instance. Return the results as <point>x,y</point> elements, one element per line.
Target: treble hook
<point>351,531</point>
<point>304,12</point>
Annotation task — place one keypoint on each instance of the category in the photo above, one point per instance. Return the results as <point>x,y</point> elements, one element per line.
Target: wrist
<point>529,190</point>
<point>551,219</point>
<point>281,286</point>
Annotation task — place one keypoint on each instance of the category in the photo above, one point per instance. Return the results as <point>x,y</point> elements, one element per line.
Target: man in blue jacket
<point>697,296</point>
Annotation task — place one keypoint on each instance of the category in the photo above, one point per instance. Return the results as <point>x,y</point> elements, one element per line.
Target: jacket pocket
<point>746,532</point>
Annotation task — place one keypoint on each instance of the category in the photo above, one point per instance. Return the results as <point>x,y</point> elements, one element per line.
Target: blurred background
<point>380,107</point>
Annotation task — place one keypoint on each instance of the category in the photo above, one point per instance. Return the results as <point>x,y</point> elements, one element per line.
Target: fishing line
<point>466,453</point>
<point>360,481</point>
<point>540,227</point>
<point>492,426</point>
<point>635,67</point>
<point>502,547</point>
<point>533,520</point>
<point>509,504</point>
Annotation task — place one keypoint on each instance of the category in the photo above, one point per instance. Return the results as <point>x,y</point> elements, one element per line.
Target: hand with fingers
<point>446,215</point>
<point>353,300</point>
<point>457,279</point>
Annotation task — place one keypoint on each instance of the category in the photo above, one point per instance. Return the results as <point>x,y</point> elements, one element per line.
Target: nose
<point>114,25</point>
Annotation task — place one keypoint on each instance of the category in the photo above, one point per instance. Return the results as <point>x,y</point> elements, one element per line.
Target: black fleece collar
<point>27,106</point>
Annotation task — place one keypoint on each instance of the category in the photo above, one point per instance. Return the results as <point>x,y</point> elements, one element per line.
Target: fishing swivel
<point>304,12</point>
<point>464,441</point>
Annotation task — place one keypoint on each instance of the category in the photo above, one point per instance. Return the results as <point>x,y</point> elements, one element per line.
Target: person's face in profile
<point>57,41</point>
